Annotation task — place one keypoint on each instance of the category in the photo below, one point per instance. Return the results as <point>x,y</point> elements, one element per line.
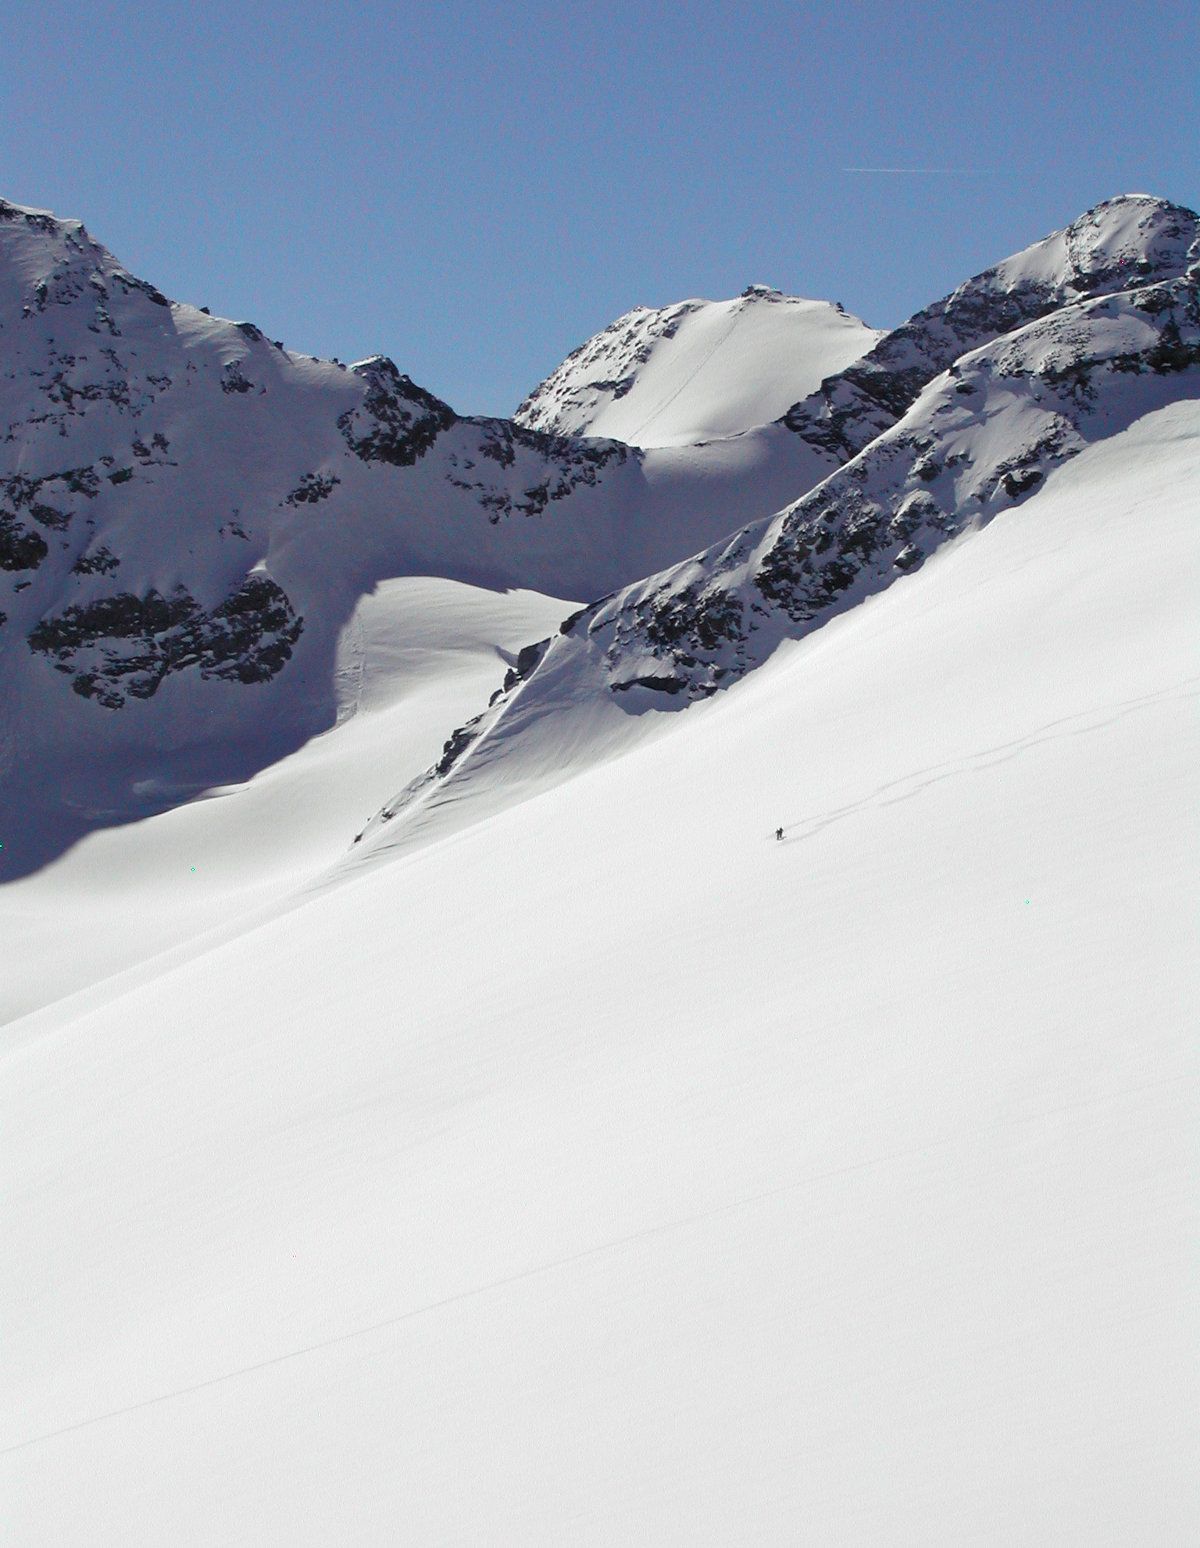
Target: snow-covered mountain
<point>568,1159</point>
<point>974,441</point>
<point>190,515</point>
<point>610,1173</point>
<point>200,529</point>
<point>698,370</point>
<point>1124,242</point>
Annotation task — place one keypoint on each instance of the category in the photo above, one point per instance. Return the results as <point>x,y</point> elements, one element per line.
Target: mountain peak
<point>31,223</point>
<point>1124,240</point>
<point>43,219</point>
<point>1128,241</point>
<point>696,370</point>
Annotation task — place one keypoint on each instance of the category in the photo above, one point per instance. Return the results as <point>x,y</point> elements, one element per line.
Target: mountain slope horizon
<point>190,515</point>
<point>1053,355</point>
<point>740,1084</point>
<point>162,666</point>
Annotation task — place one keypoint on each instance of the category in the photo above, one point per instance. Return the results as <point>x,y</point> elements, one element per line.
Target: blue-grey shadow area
<point>72,767</point>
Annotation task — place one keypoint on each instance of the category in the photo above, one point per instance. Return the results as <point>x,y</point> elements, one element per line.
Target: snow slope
<point>975,443</point>
<point>417,656</point>
<point>565,1159</point>
<point>190,515</point>
<point>606,1172</point>
<point>698,370</point>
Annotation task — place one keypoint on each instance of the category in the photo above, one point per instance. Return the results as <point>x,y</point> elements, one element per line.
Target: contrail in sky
<point>936,171</point>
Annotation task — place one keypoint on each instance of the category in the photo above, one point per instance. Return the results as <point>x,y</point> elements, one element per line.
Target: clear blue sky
<point>475,188</point>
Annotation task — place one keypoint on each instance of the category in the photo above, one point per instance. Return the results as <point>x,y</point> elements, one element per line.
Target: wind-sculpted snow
<point>1125,241</point>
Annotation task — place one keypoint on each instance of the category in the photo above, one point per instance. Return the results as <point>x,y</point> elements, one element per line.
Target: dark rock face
<point>127,645</point>
<point>312,488</point>
<point>20,547</point>
<point>529,658</point>
<point>708,617</point>
<point>234,379</point>
<point>561,465</point>
<point>457,744</point>
<point>397,421</point>
<point>26,494</point>
<point>655,684</point>
<point>97,561</point>
<point>1019,483</point>
<point>885,512</point>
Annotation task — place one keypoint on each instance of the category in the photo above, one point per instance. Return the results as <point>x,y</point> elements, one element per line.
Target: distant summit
<point>697,370</point>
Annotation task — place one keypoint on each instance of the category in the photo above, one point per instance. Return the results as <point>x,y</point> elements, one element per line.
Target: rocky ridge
<point>1114,333</point>
<point>160,464</point>
<point>981,438</point>
<point>1134,239</point>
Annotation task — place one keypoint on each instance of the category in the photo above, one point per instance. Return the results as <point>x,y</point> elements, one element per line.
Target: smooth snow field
<point>418,655</point>
<point>591,1168</point>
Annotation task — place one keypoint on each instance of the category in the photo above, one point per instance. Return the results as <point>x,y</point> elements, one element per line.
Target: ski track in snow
<point>753,1180</point>
<point>352,675</point>
<point>909,785</point>
<point>632,1239</point>
<point>700,366</point>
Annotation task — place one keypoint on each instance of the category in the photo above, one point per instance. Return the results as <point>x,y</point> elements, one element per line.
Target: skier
<point>778,833</point>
